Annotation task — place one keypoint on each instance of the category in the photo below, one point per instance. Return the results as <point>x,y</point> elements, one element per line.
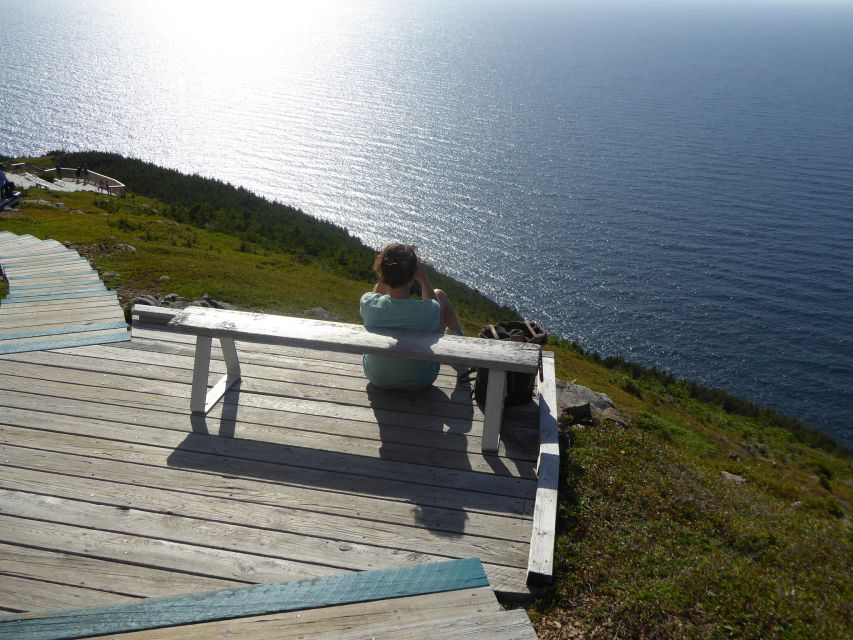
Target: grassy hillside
<point>656,540</point>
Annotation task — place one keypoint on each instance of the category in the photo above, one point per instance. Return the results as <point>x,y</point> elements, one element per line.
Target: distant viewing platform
<point>64,179</point>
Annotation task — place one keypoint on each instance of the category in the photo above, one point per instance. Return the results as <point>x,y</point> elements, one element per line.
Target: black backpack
<point>519,386</point>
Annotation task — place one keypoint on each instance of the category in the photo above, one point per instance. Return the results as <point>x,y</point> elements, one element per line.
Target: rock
<point>579,414</point>
<point>164,278</point>
<point>731,477</point>
<point>173,297</point>
<point>110,274</point>
<point>322,314</point>
<point>570,394</point>
<point>151,301</point>
<point>218,304</point>
<point>66,244</point>
<point>200,303</point>
<point>43,203</point>
<point>125,247</point>
<point>734,456</point>
<point>612,414</point>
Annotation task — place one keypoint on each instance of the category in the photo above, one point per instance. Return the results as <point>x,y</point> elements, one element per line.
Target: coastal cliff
<point>685,511</point>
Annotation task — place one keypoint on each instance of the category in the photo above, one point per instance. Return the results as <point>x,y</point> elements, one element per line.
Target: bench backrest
<point>353,338</point>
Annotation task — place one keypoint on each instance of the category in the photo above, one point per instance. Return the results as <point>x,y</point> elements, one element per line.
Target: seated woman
<point>391,306</point>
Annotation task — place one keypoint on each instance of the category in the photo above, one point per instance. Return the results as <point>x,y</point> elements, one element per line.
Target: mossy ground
<point>653,541</point>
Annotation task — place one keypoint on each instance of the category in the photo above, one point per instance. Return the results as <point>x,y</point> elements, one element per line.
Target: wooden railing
<point>111,185</point>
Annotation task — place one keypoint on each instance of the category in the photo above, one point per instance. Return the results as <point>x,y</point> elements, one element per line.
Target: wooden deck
<point>111,490</point>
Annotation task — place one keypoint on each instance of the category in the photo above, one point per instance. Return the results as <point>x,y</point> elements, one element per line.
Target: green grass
<point>653,541</point>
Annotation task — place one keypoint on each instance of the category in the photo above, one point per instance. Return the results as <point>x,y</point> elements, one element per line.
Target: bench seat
<point>499,357</point>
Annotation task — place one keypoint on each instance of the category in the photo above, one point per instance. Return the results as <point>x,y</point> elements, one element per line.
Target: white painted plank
<point>495,393</point>
<point>540,566</point>
<point>352,338</point>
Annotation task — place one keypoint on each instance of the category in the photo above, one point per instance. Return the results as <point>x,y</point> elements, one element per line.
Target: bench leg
<point>494,410</point>
<point>201,369</point>
<point>202,400</point>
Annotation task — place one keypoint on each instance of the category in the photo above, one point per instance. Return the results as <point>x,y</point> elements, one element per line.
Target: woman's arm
<point>423,278</point>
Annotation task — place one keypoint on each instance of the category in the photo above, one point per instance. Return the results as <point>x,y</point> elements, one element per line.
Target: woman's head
<point>396,265</point>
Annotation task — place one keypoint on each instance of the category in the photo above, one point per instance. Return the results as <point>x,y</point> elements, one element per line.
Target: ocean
<point>667,181</point>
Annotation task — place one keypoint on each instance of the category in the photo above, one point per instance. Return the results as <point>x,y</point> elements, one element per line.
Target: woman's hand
<point>421,272</point>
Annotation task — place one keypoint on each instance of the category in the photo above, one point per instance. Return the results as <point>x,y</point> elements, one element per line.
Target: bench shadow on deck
<point>113,491</point>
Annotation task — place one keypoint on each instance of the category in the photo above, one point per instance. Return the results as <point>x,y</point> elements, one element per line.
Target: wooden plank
<point>68,340</point>
<point>329,468</point>
<point>165,555</point>
<point>48,308</point>
<point>266,425</point>
<point>74,267</point>
<point>78,272</point>
<point>382,409</point>
<point>502,625</point>
<point>54,280</point>
<point>54,330</point>
<point>376,479</point>
<point>25,321</point>
<point>342,621</point>
<point>254,415</point>
<point>352,338</point>
<point>384,415</point>
<point>255,600</point>
<point>413,539</point>
<point>42,293</point>
<point>540,567</point>
<point>481,514</point>
<point>106,296</point>
<point>366,511</point>
<point>100,575</point>
<point>230,537</point>
<point>24,594</point>
<point>70,295</point>
<point>50,258</point>
<point>284,382</point>
<point>55,288</point>
<point>64,265</point>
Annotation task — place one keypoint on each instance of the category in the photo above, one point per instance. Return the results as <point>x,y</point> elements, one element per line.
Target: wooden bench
<point>499,357</point>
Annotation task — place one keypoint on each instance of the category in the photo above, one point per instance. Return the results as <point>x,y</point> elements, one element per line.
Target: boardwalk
<point>55,298</point>
<point>111,491</point>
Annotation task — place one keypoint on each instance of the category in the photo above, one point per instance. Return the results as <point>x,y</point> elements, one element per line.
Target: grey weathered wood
<point>25,594</point>
<point>111,434</point>
<point>289,463</point>
<point>300,546</point>
<point>91,573</point>
<point>540,568</point>
<point>491,547</point>
<point>310,386</point>
<point>339,622</point>
<point>236,500</point>
<point>271,425</point>
<point>244,568</point>
<point>254,600</point>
